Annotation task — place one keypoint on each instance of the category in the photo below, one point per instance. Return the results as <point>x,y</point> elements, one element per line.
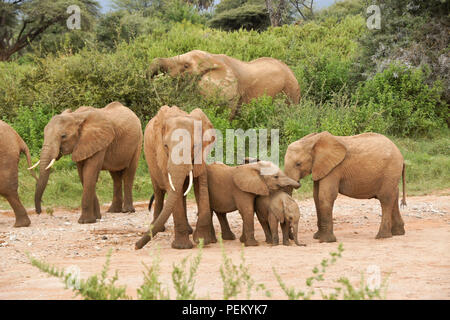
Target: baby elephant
<point>276,208</point>
<point>235,188</point>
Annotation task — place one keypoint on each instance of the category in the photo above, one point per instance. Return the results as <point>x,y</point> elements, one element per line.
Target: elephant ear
<point>327,153</point>
<point>207,142</point>
<point>96,133</point>
<point>248,179</point>
<point>277,207</point>
<point>220,79</point>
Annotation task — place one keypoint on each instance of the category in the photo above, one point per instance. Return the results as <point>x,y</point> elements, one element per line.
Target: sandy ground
<point>418,263</point>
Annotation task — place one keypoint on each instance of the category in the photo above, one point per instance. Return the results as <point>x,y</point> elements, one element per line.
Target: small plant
<point>346,291</point>
<point>236,278</point>
<point>183,281</point>
<point>152,288</point>
<point>94,288</point>
<point>49,211</point>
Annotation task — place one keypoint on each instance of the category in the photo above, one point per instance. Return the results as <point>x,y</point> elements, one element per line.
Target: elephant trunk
<point>177,183</point>
<point>158,65</point>
<point>48,154</point>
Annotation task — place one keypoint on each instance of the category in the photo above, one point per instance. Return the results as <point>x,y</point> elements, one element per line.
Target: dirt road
<point>418,263</point>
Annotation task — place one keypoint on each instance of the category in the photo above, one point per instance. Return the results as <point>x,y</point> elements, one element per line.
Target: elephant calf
<point>235,188</point>
<point>11,146</point>
<point>279,207</point>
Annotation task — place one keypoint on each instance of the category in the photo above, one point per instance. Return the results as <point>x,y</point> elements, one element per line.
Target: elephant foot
<point>286,243</point>
<point>383,234</point>
<point>398,230</point>
<point>251,243</point>
<point>327,237</point>
<point>300,244</point>
<point>275,242</point>
<point>228,236</point>
<point>22,222</point>
<point>84,220</point>
<point>242,238</point>
<point>205,235</point>
<point>182,244</point>
<point>190,230</point>
<point>316,235</point>
<point>114,209</point>
<point>128,208</point>
<point>291,234</point>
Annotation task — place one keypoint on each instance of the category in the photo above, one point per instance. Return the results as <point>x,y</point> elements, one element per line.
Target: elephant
<point>11,146</point>
<point>109,138</point>
<point>278,207</point>
<point>363,166</point>
<point>168,175</point>
<point>237,81</point>
<point>235,188</point>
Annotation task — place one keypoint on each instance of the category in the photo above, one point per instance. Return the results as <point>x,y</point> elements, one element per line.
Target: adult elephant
<point>11,146</point>
<point>171,133</point>
<point>239,82</point>
<point>109,138</point>
<point>364,166</point>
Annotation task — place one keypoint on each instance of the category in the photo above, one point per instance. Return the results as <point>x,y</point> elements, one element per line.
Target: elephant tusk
<point>170,181</point>
<point>191,178</point>
<point>50,164</point>
<point>34,166</point>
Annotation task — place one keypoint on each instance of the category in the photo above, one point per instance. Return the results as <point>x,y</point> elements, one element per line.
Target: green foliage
<point>345,292</point>
<point>25,21</point>
<point>151,288</point>
<point>406,103</point>
<point>96,287</point>
<point>235,278</point>
<point>184,281</point>
<point>248,17</point>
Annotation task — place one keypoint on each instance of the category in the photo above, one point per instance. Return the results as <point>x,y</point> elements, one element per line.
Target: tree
<point>304,8</point>
<point>22,21</point>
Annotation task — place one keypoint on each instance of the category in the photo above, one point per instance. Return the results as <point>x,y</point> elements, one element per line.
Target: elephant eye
<point>186,65</point>
<point>63,136</point>
<point>298,164</point>
<point>276,177</point>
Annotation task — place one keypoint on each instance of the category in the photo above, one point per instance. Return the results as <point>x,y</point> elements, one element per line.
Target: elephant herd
<point>364,166</point>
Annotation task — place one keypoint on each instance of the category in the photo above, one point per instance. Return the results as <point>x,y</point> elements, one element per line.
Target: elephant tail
<point>24,149</point>
<point>403,204</point>
<point>151,202</point>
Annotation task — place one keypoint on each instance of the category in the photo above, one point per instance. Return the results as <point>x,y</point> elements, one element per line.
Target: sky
<point>106,4</point>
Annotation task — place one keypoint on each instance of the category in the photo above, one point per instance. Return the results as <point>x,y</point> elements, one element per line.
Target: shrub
<point>406,103</point>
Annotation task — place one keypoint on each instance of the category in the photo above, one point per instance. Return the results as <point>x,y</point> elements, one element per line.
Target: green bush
<point>406,103</point>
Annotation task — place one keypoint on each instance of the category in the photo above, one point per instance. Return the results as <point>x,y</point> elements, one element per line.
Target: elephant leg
<point>227,234</point>
<point>90,170</point>
<point>213,231</point>
<point>159,203</point>
<point>204,220</point>
<point>273,223</point>
<point>285,227</point>
<point>98,215</point>
<point>128,179</point>
<point>265,226</point>
<point>116,205</point>
<point>387,206</point>
<point>246,209</point>
<point>181,231</point>
<point>22,219</point>
<point>185,213</point>
<point>327,194</point>
<point>316,203</point>
<point>398,226</point>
